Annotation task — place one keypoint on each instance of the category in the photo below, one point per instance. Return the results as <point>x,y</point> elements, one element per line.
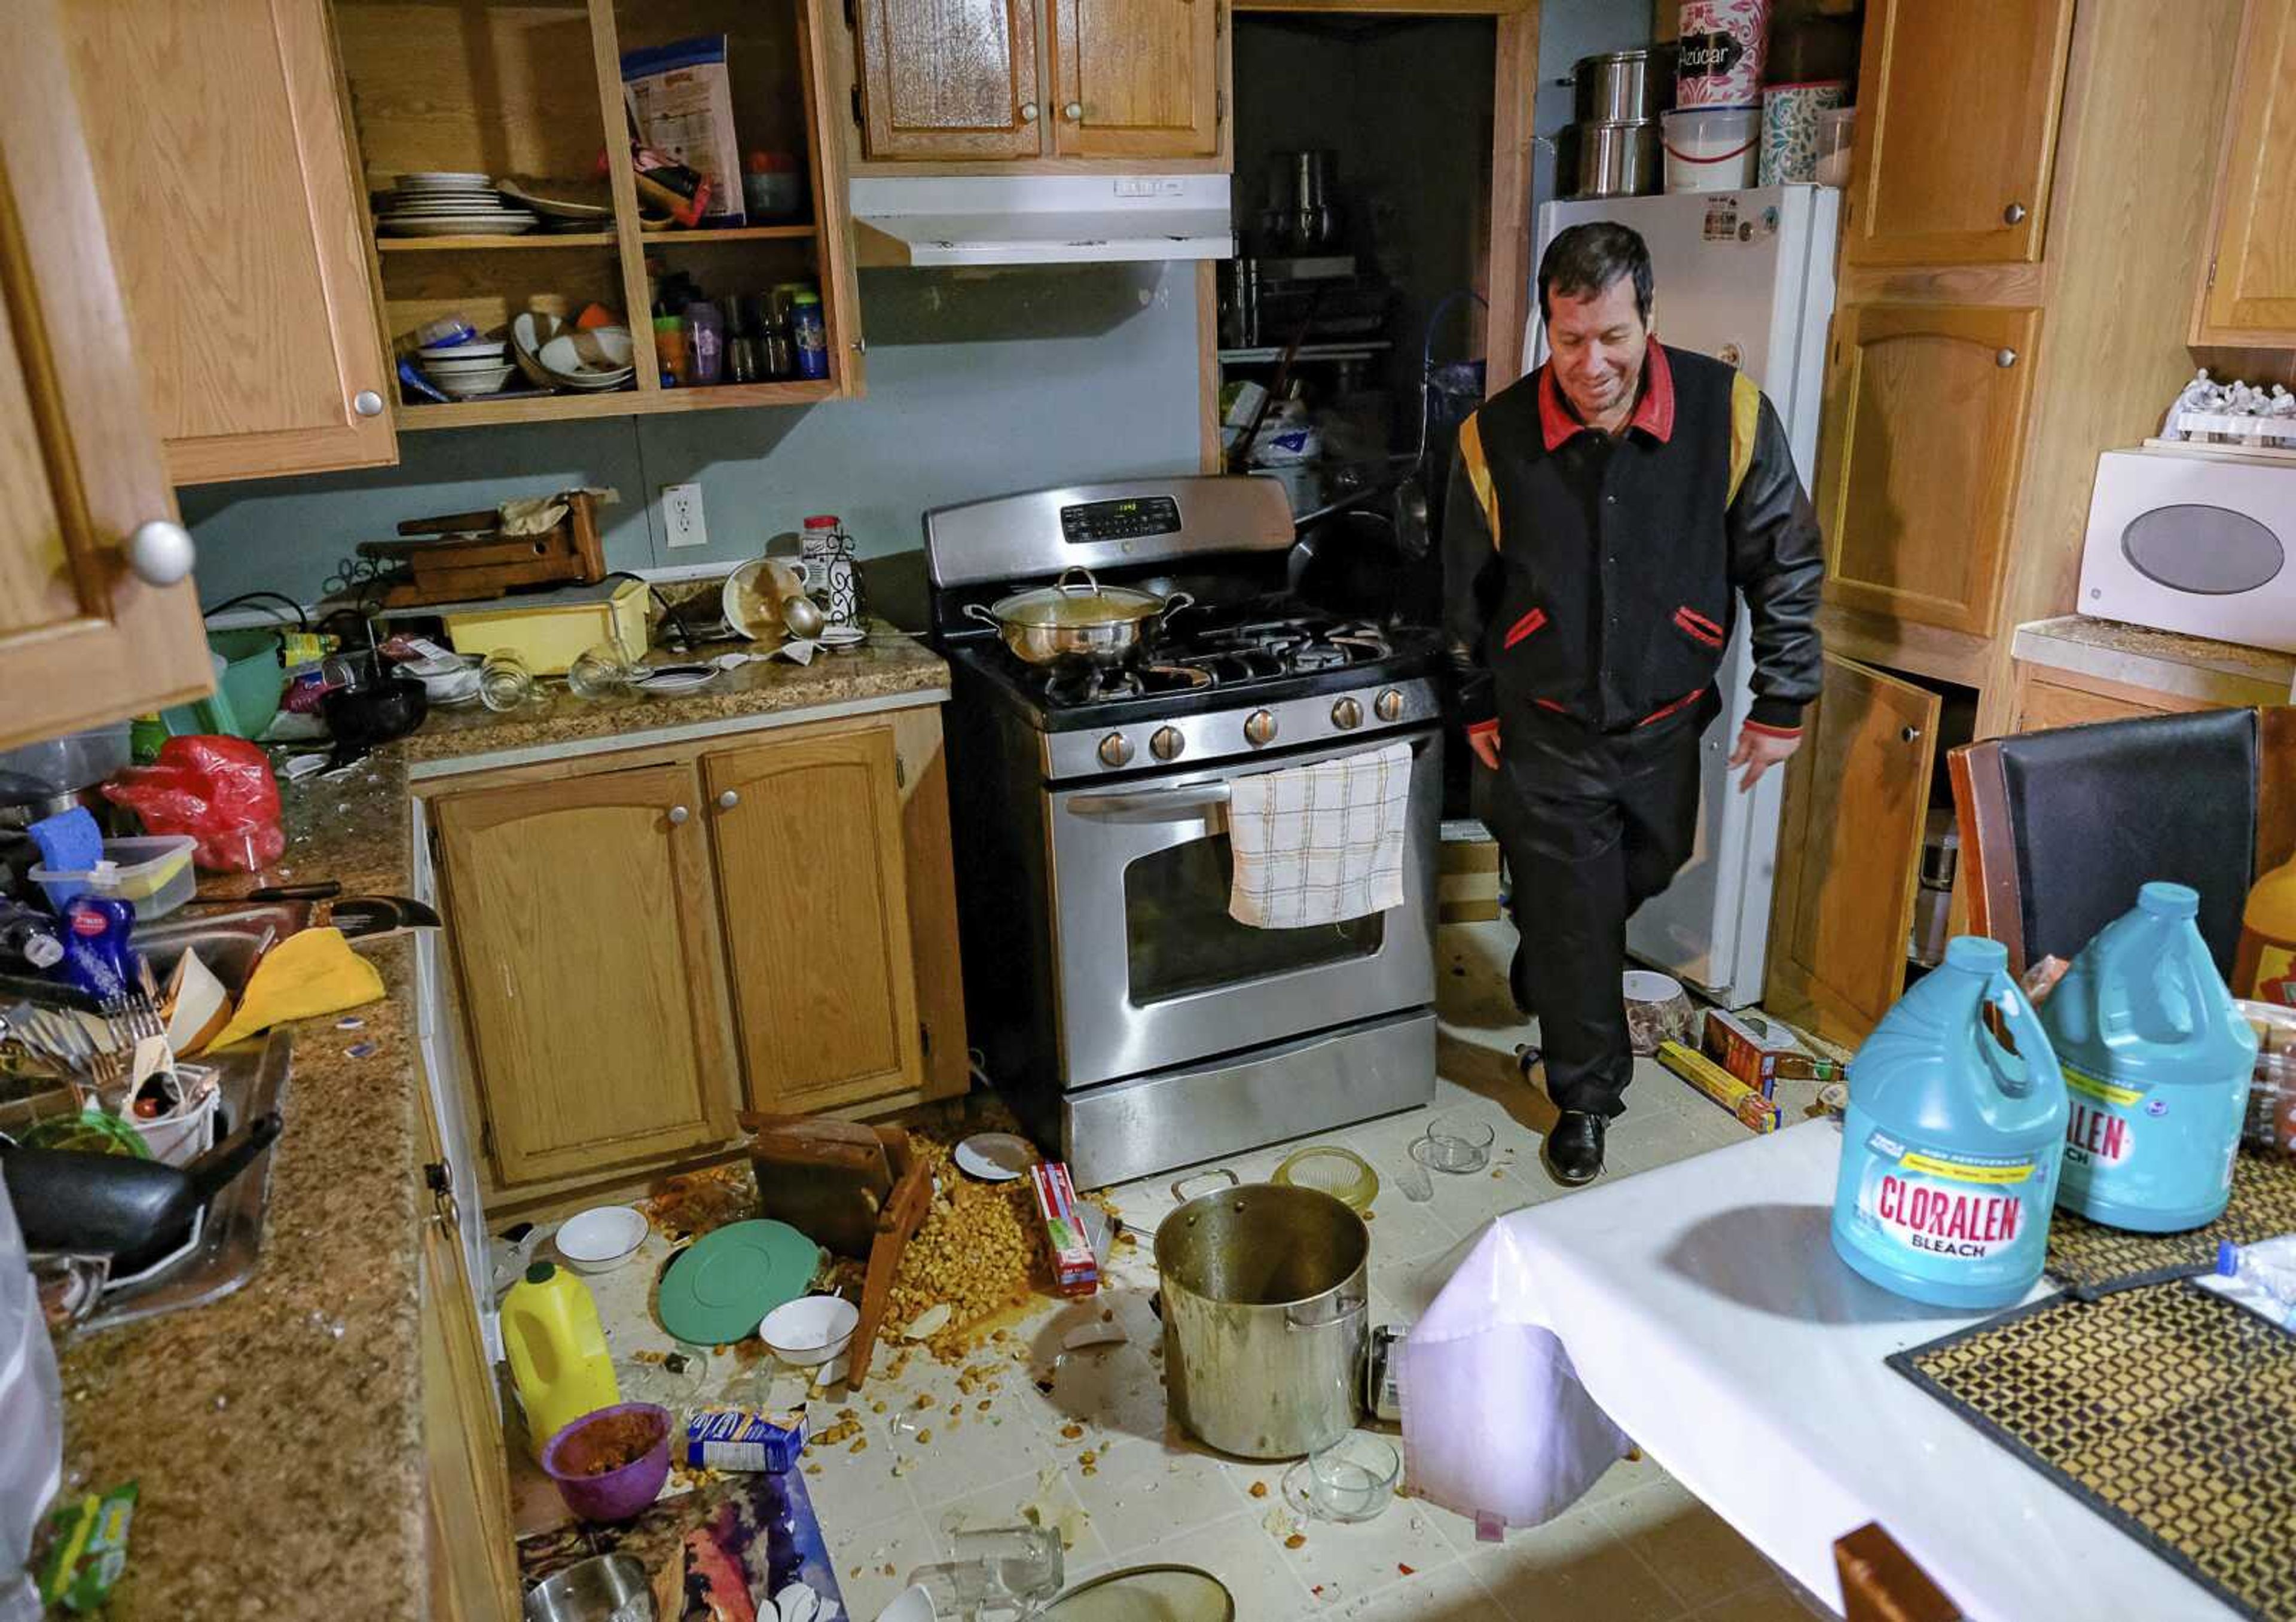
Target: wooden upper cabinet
<point>224,164</point>
<point>813,878</point>
<point>1136,78</point>
<point>586,935</point>
<point>948,79</point>
<point>2249,294</point>
<point>1857,804</point>
<point>1918,454</point>
<point>82,638</point>
<point>1956,128</point>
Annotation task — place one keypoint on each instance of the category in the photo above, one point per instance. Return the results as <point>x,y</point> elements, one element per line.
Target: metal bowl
<point>607,1588</point>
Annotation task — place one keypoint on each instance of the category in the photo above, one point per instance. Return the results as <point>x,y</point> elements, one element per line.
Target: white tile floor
<point>1637,1549</point>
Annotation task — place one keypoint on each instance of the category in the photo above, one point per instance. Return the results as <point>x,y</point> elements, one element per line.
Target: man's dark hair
<point>1583,261</point>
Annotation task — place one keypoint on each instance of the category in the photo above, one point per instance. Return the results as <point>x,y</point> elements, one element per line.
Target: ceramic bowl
<point>601,1238</point>
<point>477,348</point>
<point>810,1329</point>
<point>576,353</point>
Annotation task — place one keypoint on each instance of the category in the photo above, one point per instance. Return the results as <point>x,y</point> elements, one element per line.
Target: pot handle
<point>1179,1183</point>
<point>975,611</point>
<point>1090,583</point>
<point>1343,1307</point>
<point>1173,604</point>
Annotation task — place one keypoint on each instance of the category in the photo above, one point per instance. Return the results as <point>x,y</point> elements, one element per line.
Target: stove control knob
<point>1259,728</point>
<point>1168,743</point>
<point>1346,715</point>
<point>1388,705</point>
<point>1115,750</point>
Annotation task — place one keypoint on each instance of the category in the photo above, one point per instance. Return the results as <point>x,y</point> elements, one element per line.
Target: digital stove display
<point>1119,519</point>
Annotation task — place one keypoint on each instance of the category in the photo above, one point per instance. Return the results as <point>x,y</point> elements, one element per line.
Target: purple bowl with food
<point>611,1463</point>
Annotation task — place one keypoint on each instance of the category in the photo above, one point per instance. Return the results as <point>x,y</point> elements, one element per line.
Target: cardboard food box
<point>744,1439</point>
<point>1746,1102</point>
<point>1074,1271</point>
<point>1748,1049</point>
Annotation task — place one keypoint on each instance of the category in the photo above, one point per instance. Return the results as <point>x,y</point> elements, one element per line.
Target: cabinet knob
<point>161,552</point>
<point>1028,113</point>
<point>1909,735</point>
<point>729,800</point>
<point>1072,112</point>
<point>367,402</point>
<point>2014,214</point>
<point>2005,358</point>
<point>677,816</point>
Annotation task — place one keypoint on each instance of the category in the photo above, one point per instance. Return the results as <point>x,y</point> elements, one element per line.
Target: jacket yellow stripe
<point>1745,418</point>
<point>1478,473</point>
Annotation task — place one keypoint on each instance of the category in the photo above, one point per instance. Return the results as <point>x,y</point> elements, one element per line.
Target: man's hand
<point>1485,742</point>
<point>1760,749</point>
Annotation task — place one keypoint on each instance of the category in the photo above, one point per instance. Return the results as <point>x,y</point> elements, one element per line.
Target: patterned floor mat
<point>2170,1410</point>
<point>2091,1260</point>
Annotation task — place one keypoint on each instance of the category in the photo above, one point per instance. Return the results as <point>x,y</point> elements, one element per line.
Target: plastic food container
<point>549,634</point>
<point>1711,149</point>
<point>63,765</point>
<point>1837,133</point>
<point>154,873</point>
<point>1789,116</point>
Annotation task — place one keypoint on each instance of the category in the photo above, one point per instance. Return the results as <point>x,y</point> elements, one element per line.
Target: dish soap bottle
<point>2264,967</point>
<point>558,1359</point>
<point>1951,1144</point>
<point>2157,1061</point>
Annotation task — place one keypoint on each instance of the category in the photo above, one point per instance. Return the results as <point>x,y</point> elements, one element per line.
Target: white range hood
<point>1040,219</point>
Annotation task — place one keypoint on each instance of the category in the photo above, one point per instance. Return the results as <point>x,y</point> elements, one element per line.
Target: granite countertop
<point>890,665</point>
<point>2145,642</point>
<point>276,1435</point>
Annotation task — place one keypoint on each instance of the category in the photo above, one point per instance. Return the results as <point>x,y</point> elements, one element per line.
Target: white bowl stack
<point>556,354</point>
<point>467,370</point>
<point>440,204</point>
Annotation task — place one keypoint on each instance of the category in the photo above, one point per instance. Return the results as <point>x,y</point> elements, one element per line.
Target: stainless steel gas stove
<point>1125,1014</point>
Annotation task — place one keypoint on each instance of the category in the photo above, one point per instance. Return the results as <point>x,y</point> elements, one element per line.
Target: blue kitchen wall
<point>979,381</point>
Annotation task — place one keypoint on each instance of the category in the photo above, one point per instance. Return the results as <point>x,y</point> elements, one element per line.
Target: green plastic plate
<point>723,1283</point>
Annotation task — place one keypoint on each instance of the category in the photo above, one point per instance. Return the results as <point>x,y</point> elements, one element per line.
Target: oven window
<point>1179,938</point>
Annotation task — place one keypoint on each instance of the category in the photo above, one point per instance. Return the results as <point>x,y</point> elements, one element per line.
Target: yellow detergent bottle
<point>2266,967</point>
<point>557,1350</point>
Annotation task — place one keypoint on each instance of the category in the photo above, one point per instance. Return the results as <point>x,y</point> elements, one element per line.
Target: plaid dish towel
<point>1321,844</point>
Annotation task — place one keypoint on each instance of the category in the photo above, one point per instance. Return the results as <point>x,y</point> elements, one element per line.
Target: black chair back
<point>2099,810</point>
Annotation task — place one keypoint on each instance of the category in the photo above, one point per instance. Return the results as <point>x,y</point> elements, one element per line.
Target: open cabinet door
<point>1856,801</point>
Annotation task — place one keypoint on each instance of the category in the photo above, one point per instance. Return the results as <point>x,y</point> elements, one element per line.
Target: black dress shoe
<point>1573,1150</point>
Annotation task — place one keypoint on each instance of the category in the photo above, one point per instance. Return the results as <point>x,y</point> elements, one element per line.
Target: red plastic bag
<point>219,790</point>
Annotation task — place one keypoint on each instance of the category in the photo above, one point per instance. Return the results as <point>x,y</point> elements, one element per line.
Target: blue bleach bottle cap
<point>2167,901</point>
<point>1976,954</point>
<point>2228,1258</point>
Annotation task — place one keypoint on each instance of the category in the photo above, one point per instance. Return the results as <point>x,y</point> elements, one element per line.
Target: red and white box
<point>1074,1271</point>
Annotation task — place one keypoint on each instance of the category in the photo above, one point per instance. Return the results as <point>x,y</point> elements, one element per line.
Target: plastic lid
<point>2167,901</point>
<point>822,521</point>
<point>541,1273</point>
<point>2228,1258</point>
<point>807,297</point>
<point>1977,954</point>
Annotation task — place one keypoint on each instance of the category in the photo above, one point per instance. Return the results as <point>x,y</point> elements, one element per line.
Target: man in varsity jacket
<point>1603,513</point>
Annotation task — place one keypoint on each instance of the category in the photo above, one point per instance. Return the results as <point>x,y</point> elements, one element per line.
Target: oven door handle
<point>1152,805</point>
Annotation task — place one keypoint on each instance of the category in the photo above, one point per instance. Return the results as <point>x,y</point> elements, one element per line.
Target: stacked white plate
<point>465,371</point>
<point>444,204</point>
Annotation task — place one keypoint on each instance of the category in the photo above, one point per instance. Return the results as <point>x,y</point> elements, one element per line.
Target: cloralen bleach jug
<point>1950,1148</point>
<point>2157,1062</point>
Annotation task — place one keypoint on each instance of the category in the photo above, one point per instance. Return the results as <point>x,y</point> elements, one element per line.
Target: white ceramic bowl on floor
<point>601,1238</point>
<point>809,1330</point>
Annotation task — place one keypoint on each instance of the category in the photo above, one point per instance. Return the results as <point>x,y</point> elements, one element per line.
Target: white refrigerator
<point>1747,277</point>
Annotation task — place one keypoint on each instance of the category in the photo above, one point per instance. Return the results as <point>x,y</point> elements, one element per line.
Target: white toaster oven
<point>2194,543</point>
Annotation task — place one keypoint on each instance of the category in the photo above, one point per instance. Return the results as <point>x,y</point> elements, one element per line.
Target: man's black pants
<point>1593,825</point>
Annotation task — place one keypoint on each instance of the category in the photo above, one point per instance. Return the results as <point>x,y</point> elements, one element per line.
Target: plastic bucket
<point>1712,149</point>
<point>614,1495</point>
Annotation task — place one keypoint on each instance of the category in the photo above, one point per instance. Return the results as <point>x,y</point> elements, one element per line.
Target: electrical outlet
<point>681,513</point>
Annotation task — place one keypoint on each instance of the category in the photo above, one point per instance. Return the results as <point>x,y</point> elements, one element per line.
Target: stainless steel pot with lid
<point>1622,86</point>
<point>1076,618</point>
<point>1263,1299</point>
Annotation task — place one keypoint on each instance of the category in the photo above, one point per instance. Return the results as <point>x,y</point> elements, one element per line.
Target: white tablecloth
<point>1701,1308</point>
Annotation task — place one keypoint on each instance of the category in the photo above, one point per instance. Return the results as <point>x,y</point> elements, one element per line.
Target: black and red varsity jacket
<point>1594,577</point>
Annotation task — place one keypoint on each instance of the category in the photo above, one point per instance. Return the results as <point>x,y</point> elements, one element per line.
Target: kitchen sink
<point>251,1077</point>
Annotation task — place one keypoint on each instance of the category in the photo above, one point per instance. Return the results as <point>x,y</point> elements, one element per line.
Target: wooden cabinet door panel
<point>1918,458</point>
<point>2250,295</point>
<point>812,876</point>
<point>948,79</point>
<point>1136,78</point>
<point>1856,804</point>
<point>228,180</point>
<point>82,641</point>
<point>1956,130</point>
<point>585,931</point>
<point>473,1570</point>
